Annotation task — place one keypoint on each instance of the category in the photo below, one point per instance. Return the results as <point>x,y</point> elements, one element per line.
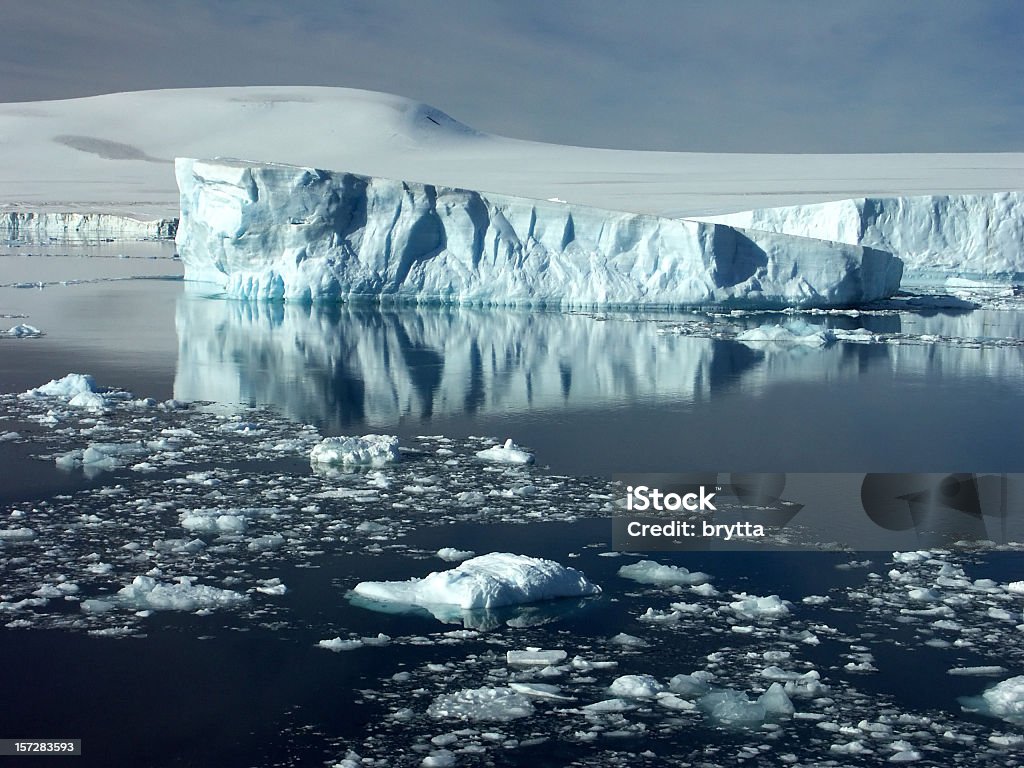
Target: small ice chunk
<point>535,657</point>
<point>673,701</point>
<point>97,606</point>
<point>272,587</point>
<point>365,451</point>
<point>650,572</point>
<point>212,521</point>
<point>753,607</point>
<point>439,758</point>
<point>337,644</point>
<point>92,400</point>
<point>630,641</point>
<point>453,555</point>
<point>732,708</point>
<point>635,687</point>
<point>266,543</point>
<point>806,686</point>
<point>539,690</point>
<point>509,453</point>
<point>609,706</point>
<point>17,534</point>
<point>798,332</point>
<point>776,702</point>
<point>66,387</point>
<point>919,556</point>
<point>696,684</point>
<point>991,671</point>
<point>485,703</point>
<point>22,331</point>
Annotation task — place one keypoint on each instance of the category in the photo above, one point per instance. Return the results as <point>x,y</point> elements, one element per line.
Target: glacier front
<point>936,236</point>
<point>270,231</point>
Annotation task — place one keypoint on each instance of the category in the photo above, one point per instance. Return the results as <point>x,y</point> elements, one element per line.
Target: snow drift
<point>266,231</point>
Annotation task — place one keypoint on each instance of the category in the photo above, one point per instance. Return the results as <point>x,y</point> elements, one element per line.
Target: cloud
<point>746,75</point>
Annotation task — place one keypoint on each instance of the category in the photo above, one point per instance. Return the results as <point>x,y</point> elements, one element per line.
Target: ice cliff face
<point>31,224</point>
<point>273,231</point>
<point>966,235</point>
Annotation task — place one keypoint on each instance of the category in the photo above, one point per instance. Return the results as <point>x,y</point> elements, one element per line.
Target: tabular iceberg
<point>268,231</point>
<point>934,235</point>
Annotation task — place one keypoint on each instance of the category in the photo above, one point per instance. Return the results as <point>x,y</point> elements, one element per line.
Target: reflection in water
<point>344,367</point>
<point>484,619</point>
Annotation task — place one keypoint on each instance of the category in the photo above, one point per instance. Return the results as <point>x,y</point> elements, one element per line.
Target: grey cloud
<point>746,75</point>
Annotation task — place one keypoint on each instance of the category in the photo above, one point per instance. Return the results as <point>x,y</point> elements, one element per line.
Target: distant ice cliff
<point>40,224</point>
<point>266,231</point>
<point>934,235</point>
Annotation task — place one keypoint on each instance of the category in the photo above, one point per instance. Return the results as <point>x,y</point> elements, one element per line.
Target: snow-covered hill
<point>114,153</point>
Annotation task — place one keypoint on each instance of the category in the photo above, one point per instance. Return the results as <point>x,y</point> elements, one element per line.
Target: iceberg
<point>934,235</point>
<point>270,231</point>
<point>488,581</point>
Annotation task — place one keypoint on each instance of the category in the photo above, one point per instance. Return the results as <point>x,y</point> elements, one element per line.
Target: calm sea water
<point>591,394</point>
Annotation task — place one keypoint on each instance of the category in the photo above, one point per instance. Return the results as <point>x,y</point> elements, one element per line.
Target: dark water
<point>591,395</point>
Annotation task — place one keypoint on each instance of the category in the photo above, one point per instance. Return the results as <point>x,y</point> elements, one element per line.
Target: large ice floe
<point>970,235</point>
<point>270,231</point>
<point>488,581</point>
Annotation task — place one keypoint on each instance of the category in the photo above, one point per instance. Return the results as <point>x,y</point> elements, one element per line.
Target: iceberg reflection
<point>344,367</point>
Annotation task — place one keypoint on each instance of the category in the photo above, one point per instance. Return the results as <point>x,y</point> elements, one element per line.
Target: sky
<point>721,75</point>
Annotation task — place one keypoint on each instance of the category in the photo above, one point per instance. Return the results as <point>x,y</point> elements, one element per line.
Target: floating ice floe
<point>793,332</point>
<point>101,456</point>
<point>989,671</point>
<point>22,331</point>
<point>508,453</point>
<point>485,703</point>
<point>650,572</point>
<point>146,593</point>
<point>66,387</point>
<point>337,644</point>
<point>753,607</point>
<point>212,521</point>
<point>17,534</point>
<point>452,555</point>
<point>535,657</point>
<point>1004,700</point>
<point>539,691</point>
<point>365,451</point>
<point>487,581</point>
<point>635,687</point>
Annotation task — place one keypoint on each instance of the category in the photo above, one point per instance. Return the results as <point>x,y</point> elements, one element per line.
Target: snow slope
<point>114,154</point>
<point>262,231</point>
